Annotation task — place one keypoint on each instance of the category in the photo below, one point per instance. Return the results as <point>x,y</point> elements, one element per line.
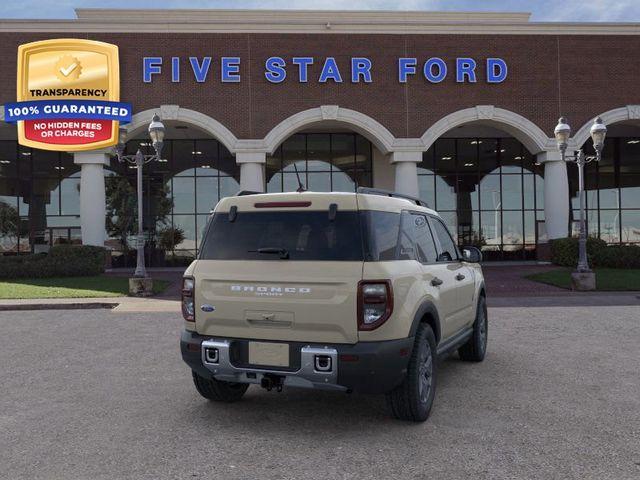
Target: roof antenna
<point>300,186</point>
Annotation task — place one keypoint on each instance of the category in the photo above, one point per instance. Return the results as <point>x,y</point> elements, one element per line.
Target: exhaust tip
<point>323,363</point>
<point>212,355</point>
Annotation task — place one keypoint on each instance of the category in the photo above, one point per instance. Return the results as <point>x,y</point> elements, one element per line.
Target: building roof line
<point>270,15</point>
<point>310,22</point>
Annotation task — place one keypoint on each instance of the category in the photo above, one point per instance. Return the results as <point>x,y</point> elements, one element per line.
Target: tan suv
<point>341,291</point>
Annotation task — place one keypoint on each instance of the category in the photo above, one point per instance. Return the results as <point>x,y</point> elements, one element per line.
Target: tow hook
<point>269,382</point>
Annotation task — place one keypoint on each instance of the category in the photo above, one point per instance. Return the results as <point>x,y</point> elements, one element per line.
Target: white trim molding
<point>140,121</point>
<point>100,157</point>
<point>157,21</point>
<point>622,114</point>
<point>374,131</point>
<point>531,136</point>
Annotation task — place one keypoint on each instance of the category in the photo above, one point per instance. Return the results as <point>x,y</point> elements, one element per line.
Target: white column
<point>406,167</point>
<point>556,195</point>
<point>251,170</point>
<point>93,208</point>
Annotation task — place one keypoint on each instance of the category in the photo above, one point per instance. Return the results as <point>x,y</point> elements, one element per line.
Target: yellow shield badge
<point>68,94</point>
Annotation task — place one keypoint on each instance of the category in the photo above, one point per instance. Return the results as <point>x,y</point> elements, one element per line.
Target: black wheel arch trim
<point>482,290</point>
<point>427,308</point>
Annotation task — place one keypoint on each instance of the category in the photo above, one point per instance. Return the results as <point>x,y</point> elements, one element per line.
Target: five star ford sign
<point>68,95</point>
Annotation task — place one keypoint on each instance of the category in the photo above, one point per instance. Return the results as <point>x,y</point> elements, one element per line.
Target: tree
<point>169,237</point>
<point>122,208</point>
<point>9,221</point>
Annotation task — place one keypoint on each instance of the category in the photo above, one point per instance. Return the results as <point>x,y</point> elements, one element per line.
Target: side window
<point>381,230</point>
<point>425,245</point>
<point>406,248</point>
<point>449,250</point>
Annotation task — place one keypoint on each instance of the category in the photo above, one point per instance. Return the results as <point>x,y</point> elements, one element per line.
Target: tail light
<point>188,302</point>
<point>375,303</point>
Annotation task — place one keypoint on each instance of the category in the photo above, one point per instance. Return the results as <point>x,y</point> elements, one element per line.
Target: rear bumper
<point>366,367</point>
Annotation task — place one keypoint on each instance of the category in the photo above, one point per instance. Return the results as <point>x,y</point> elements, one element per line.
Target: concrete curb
<point>56,306</point>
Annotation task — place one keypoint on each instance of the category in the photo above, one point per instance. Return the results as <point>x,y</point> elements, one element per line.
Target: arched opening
<point>612,186</point>
<point>487,187</point>
<point>333,148</point>
<point>326,158</point>
<point>179,192</point>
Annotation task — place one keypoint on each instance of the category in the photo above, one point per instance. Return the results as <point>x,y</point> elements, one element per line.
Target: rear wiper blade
<point>283,252</point>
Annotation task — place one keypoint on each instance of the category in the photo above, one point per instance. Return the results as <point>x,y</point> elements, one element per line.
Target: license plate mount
<point>269,354</point>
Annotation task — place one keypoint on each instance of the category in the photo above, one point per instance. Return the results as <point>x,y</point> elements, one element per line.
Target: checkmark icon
<point>66,71</point>
<point>68,68</point>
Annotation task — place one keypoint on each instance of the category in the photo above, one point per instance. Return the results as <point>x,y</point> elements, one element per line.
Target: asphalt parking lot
<point>97,394</point>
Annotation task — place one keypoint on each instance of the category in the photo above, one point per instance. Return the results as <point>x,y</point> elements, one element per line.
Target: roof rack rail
<point>242,193</point>
<point>389,193</point>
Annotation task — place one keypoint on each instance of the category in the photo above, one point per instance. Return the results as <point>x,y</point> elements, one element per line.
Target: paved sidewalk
<point>510,281</point>
<point>569,299</point>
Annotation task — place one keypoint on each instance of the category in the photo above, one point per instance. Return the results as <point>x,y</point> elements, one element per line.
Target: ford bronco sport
<point>342,291</point>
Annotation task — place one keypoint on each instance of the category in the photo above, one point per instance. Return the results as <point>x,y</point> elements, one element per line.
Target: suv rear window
<point>308,235</point>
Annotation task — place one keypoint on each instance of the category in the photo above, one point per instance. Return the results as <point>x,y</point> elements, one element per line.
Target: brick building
<point>457,108</point>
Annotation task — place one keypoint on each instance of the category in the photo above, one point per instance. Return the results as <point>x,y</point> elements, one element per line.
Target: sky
<point>542,10</point>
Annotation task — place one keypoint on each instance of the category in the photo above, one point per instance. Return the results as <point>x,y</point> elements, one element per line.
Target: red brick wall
<point>578,76</point>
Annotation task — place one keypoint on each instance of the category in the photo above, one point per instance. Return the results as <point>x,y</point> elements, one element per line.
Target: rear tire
<point>412,400</point>
<point>218,391</point>
<point>476,347</point>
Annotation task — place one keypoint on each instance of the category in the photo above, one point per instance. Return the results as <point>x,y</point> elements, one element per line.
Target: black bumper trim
<point>364,367</point>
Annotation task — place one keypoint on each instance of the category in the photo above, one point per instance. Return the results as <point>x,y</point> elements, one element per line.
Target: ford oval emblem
<point>207,308</point>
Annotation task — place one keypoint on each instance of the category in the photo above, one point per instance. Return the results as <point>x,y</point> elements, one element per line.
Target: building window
<point>612,190</point>
<point>488,191</point>
<point>325,162</point>
<point>39,199</point>
<point>179,192</point>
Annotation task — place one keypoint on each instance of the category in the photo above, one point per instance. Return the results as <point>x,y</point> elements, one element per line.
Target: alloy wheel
<point>425,373</point>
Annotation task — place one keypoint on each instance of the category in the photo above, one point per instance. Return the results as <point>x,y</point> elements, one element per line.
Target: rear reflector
<point>349,358</point>
<point>281,204</point>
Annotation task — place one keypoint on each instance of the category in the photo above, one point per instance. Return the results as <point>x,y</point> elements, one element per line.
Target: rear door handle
<point>436,282</point>
<point>460,277</point>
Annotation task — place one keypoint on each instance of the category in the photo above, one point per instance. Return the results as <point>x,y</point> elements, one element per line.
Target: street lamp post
<point>156,133</point>
<point>562,133</point>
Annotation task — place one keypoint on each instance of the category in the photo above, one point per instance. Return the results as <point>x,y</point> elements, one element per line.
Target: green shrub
<point>61,261</point>
<point>564,252</point>
<point>618,256</point>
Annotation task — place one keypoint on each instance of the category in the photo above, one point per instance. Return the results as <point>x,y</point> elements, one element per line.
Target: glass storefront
<point>488,190</point>
<point>39,199</point>
<point>325,162</point>
<point>179,193</point>
<point>612,189</point>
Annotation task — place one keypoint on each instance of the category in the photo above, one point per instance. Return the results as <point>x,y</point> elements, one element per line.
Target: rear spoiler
<point>233,212</point>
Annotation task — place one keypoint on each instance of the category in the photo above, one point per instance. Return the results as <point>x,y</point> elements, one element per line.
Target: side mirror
<point>444,257</point>
<point>471,254</point>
